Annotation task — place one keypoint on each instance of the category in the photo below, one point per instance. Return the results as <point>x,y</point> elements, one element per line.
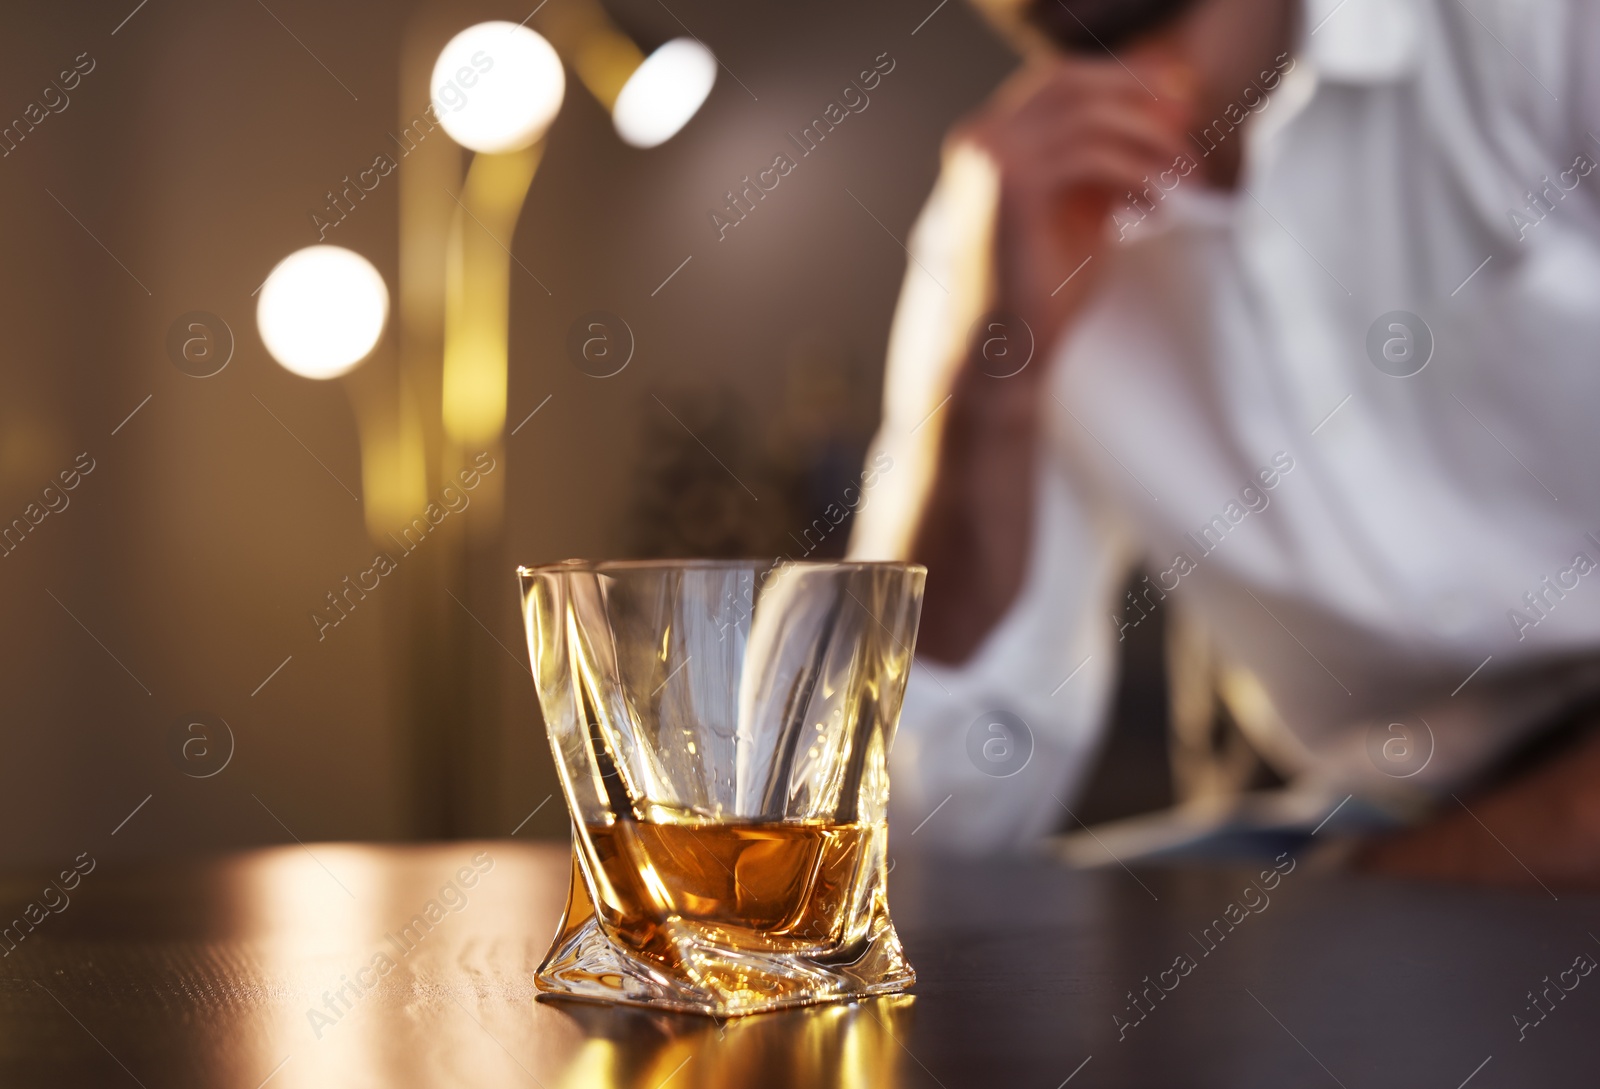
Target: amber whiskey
<point>769,886</point>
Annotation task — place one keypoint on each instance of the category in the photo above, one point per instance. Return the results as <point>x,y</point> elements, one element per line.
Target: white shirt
<point>1390,171</point>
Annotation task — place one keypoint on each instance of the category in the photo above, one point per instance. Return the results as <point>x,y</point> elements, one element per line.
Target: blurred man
<point>1293,306</point>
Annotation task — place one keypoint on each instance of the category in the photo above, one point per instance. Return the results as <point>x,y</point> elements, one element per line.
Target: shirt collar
<point>1361,41</point>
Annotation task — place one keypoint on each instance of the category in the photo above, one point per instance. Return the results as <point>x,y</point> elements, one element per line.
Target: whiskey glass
<point>721,730</point>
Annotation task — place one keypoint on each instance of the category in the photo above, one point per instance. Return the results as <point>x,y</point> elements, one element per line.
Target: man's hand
<point>1542,828</point>
<point>1071,138</point>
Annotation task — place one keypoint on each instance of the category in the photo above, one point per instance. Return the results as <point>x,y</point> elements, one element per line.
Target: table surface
<point>206,974</point>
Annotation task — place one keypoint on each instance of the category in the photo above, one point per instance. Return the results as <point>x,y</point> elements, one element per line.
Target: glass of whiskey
<point>721,730</point>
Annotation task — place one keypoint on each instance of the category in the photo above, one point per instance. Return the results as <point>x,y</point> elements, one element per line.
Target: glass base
<point>704,973</point>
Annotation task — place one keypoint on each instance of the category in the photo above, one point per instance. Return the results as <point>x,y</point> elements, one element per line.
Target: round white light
<point>497,86</point>
<point>664,92</point>
<point>322,310</point>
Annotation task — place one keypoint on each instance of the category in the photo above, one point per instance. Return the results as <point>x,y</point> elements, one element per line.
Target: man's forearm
<point>1066,138</point>
<point>1546,831</point>
<point>977,525</point>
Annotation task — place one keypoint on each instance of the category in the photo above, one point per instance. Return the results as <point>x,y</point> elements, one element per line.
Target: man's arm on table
<point>1021,573</point>
<point>1544,824</point>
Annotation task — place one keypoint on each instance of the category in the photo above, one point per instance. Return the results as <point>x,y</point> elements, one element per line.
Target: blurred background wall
<point>177,580</point>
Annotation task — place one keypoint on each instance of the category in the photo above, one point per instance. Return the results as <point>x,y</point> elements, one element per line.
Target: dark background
<point>186,567</point>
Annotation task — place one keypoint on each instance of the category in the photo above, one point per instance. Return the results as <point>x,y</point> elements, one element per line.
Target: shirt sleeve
<point>1584,136</point>
<point>991,755</point>
<point>943,296</point>
<point>988,756</point>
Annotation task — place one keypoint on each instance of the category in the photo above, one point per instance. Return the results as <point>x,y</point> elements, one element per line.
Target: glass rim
<point>764,563</point>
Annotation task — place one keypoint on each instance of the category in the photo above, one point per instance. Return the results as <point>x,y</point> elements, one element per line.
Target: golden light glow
<point>477,295</point>
<point>604,62</point>
<point>664,92</point>
<point>393,455</point>
<point>601,54</point>
<point>650,99</point>
<point>322,310</point>
<point>496,87</point>
<point>851,1045</point>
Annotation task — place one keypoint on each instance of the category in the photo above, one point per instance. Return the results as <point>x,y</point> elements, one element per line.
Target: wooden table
<point>221,973</point>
